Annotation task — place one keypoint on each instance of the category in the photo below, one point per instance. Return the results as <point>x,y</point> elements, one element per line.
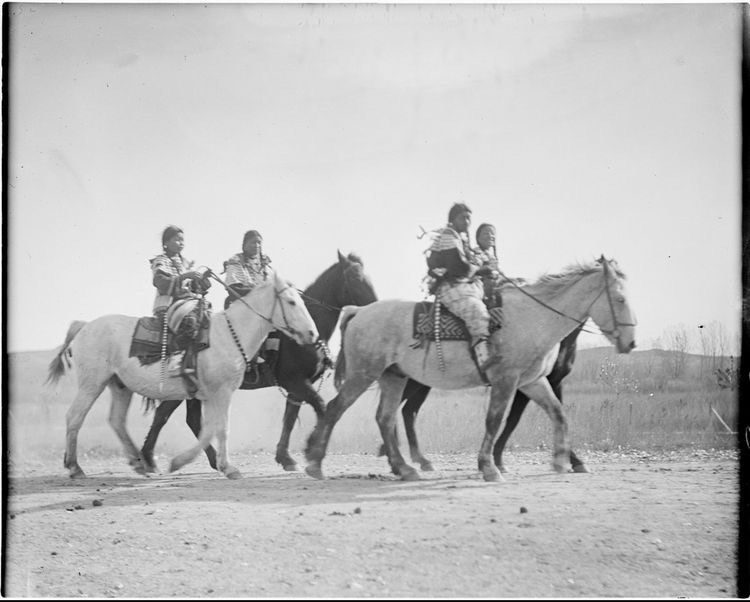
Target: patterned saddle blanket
<point>146,341</point>
<point>452,328</point>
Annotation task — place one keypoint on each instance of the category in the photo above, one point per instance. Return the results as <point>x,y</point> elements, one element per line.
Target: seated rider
<point>454,265</point>
<point>175,279</point>
<point>243,272</point>
<point>489,269</point>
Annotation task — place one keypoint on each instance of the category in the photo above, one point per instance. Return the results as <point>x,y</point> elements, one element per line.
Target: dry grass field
<point>610,405</point>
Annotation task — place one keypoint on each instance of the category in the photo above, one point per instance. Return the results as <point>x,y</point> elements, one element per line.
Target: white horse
<point>377,344</point>
<point>99,350</point>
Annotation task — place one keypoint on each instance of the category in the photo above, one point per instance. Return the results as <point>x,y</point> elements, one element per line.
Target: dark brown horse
<point>296,368</point>
<point>416,393</point>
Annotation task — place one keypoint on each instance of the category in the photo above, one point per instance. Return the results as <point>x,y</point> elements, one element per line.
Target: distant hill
<point>649,363</point>
<point>599,353</point>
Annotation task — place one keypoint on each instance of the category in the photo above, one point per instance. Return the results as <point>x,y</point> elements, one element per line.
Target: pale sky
<point>576,129</point>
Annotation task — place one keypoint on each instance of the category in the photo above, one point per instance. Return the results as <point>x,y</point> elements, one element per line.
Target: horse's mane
<point>549,285</point>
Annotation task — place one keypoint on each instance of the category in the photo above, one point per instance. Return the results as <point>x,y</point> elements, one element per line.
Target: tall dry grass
<point>610,402</point>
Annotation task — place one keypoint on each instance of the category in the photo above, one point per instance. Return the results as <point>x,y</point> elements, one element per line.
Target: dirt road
<point>637,525</point>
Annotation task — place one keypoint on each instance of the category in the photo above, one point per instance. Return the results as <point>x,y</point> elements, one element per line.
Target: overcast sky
<point>576,129</point>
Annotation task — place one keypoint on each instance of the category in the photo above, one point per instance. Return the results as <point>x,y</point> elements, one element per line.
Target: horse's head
<point>355,287</point>
<point>611,310</point>
<point>277,301</point>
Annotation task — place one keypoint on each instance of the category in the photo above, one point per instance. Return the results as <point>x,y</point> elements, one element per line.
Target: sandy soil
<point>638,525</point>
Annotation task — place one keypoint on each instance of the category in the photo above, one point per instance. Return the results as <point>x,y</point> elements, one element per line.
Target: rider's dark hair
<point>483,227</point>
<point>251,234</point>
<point>168,233</point>
<point>456,210</point>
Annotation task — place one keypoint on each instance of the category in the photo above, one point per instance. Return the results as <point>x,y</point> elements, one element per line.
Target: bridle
<point>614,332</point>
<point>286,329</point>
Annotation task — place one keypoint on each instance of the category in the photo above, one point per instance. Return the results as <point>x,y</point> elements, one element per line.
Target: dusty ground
<point>638,525</point>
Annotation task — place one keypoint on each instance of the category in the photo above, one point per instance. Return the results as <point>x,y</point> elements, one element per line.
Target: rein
<point>615,332</point>
<point>323,304</point>
<point>552,309</point>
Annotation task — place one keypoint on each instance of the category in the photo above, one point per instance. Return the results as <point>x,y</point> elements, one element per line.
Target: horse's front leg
<point>208,429</point>
<point>501,393</point>
<point>520,401</point>
<point>162,412</point>
<point>299,391</point>
<point>576,463</point>
<point>194,419</point>
<point>291,412</point>
<point>541,392</point>
<point>216,411</point>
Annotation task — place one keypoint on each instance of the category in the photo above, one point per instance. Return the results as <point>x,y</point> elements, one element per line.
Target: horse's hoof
<point>290,467</point>
<point>233,474</point>
<point>502,469</point>
<point>409,474</point>
<point>561,468</point>
<point>174,466</point>
<point>315,472</point>
<point>150,468</point>
<point>493,476</point>
<point>77,473</point>
<point>579,468</point>
<point>427,466</point>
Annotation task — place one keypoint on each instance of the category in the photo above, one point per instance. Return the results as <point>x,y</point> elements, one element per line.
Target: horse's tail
<point>62,358</point>
<point>347,313</point>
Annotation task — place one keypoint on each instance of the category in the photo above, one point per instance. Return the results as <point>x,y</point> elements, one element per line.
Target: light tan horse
<point>376,344</point>
<point>99,351</point>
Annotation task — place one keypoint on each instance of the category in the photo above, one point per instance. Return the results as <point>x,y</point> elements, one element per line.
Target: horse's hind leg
<point>84,399</point>
<point>391,388</point>
<point>413,396</point>
<point>161,415</point>
<point>409,411</point>
<point>118,412</point>
<point>317,442</point>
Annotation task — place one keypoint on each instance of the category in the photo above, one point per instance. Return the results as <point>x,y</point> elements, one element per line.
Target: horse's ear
<point>342,259</point>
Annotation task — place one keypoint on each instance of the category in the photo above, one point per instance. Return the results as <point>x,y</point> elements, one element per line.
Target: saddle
<point>451,327</point>
<point>147,337</point>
